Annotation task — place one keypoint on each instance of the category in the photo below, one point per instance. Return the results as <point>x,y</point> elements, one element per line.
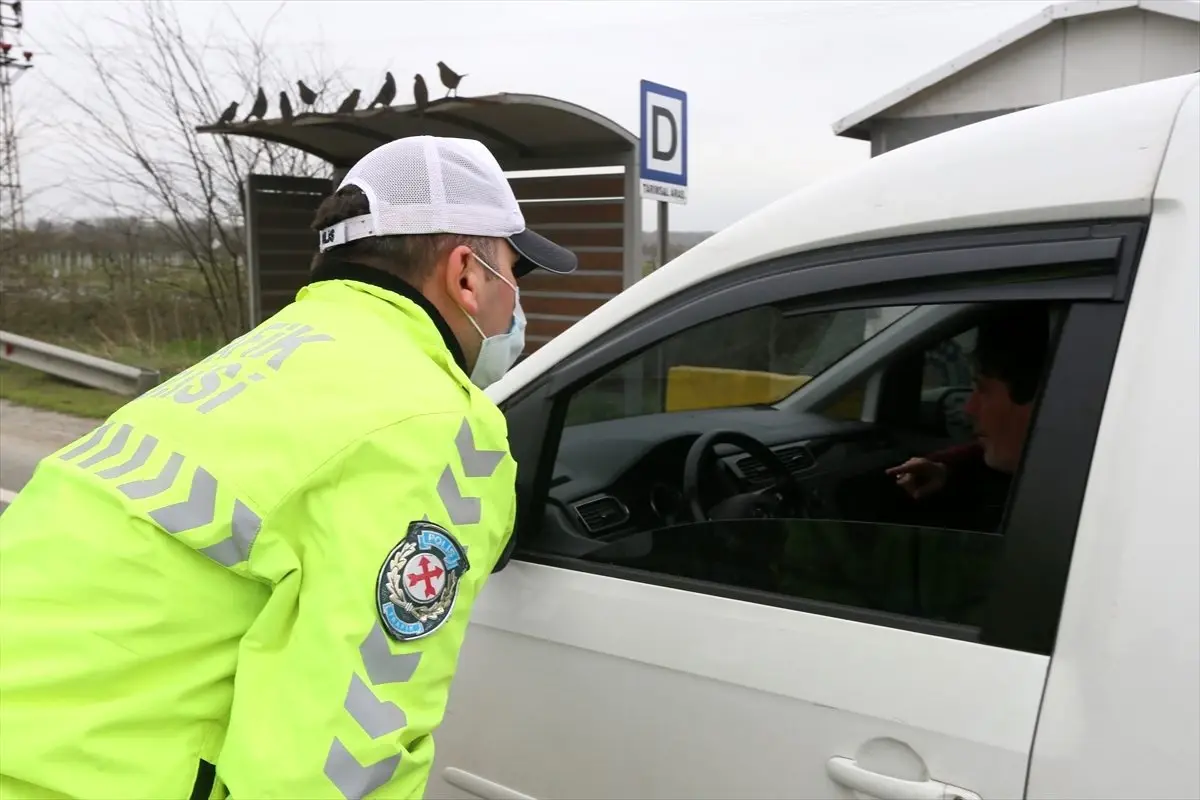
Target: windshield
<point>754,357</point>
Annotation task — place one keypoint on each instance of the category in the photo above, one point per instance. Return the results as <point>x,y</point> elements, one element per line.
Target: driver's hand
<point>919,477</point>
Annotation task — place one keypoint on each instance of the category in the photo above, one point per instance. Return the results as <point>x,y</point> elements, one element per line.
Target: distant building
<point>1067,50</point>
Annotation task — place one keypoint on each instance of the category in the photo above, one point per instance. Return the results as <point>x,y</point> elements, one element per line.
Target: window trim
<point>883,273</point>
<point>881,265</point>
<point>1026,604</point>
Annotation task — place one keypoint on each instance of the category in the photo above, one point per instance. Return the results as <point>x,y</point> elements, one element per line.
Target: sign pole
<point>664,235</point>
<point>662,173</point>
<point>663,154</point>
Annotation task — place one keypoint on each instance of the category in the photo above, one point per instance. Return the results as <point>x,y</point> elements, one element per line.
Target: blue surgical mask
<point>498,353</point>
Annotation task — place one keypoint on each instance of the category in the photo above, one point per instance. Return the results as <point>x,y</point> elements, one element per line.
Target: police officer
<point>254,580</point>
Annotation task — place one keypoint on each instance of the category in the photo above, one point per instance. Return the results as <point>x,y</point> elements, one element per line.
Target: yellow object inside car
<point>694,388</point>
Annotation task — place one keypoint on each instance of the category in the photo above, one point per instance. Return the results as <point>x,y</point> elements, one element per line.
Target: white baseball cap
<point>433,184</point>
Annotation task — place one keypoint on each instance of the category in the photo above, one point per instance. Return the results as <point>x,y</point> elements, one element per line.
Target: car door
<point>584,678</point>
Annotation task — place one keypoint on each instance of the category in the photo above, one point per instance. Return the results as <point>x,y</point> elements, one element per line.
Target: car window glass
<point>756,356</point>
<point>850,533</point>
<point>938,574</point>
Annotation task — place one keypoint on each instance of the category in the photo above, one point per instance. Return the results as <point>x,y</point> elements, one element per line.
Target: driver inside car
<point>1009,357</point>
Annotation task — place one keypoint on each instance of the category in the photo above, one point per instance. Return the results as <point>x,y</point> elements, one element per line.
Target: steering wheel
<point>783,492</point>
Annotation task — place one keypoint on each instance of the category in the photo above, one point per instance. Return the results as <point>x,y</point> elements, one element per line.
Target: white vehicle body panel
<point>581,670</point>
<point>707,680</point>
<point>1091,157</point>
<point>1122,711</point>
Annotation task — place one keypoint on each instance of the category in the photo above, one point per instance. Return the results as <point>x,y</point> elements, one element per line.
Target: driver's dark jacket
<point>978,493</point>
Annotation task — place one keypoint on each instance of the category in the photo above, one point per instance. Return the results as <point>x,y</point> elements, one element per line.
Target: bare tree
<point>147,160</point>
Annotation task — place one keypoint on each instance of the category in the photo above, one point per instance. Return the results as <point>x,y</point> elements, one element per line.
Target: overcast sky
<point>765,80</point>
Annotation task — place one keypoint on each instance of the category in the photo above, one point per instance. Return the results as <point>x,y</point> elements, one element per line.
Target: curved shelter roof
<point>524,131</point>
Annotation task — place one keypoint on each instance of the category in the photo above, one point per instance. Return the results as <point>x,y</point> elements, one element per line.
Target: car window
<point>753,357</point>
<point>850,535</point>
<point>662,454</point>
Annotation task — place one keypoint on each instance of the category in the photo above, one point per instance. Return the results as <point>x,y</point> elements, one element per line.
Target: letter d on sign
<point>663,122</point>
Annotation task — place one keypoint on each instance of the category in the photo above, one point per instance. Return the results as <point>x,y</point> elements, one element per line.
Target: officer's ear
<point>463,279</point>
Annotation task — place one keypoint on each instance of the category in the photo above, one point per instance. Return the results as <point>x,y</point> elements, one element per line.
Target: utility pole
<point>15,60</point>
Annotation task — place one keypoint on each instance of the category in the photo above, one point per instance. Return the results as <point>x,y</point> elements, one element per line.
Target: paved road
<point>26,437</point>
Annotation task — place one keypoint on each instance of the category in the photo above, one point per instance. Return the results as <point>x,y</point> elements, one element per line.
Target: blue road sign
<point>663,161</point>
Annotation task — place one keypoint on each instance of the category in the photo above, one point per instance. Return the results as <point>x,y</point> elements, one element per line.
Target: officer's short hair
<point>411,258</point>
<point>1011,345</point>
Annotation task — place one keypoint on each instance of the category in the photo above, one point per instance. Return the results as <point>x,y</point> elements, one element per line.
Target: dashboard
<point>623,476</point>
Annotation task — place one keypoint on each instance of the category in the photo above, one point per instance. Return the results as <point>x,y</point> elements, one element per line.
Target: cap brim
<point>538,252</point>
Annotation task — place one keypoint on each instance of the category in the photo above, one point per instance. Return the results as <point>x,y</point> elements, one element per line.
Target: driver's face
<point>1000,424</point>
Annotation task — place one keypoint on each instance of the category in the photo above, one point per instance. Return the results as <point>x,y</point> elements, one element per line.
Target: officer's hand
<point>919,477</point>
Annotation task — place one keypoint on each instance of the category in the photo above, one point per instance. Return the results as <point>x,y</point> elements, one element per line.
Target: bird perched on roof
<point>228,114</point>
<point>307,95</point>
<point>420,93</point>
<point>260,105</point>
<point>387,93</point>
<point>450,78</point>
<point>285,107</point>
<point>350,103</point>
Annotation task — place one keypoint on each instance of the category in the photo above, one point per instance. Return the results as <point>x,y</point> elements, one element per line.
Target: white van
<point>649,638</point>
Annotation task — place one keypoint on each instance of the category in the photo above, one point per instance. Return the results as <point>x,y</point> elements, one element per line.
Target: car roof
<point>1095,156</point>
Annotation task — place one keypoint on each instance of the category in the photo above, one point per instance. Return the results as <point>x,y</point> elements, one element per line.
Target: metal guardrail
<point>81,368</point>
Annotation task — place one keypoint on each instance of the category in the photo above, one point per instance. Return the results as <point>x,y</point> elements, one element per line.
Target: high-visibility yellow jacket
<point>254,580</point>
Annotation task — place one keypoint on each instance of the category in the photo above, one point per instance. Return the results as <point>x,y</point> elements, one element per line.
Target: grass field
<point>28,387</point>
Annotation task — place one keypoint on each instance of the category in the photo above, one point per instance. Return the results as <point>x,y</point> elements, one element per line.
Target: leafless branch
<point>144,158</point>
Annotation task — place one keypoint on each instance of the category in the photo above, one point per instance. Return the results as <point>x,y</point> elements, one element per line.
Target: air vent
<point>601,513</point>
<point>796,458</point>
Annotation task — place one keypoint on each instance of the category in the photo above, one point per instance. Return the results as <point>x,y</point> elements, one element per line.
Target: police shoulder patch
<point>418,582</point>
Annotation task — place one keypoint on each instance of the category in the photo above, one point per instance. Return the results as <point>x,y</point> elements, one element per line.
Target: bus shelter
<point>594,209</point>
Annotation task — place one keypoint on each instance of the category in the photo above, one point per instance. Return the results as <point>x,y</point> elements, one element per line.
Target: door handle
<point>845,772</point>
<point>480,787</point>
